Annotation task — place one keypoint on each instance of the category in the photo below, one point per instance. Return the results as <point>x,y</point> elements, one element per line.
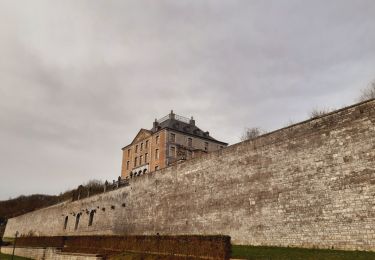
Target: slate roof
<point>179,126</point>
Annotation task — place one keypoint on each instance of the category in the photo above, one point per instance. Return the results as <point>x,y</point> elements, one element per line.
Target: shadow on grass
<point>9,257</point>
<point>138,256</point>
<point>285,253</point>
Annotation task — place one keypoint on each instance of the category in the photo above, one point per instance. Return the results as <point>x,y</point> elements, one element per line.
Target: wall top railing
<point>172,115</point>
<point>182,119</point>
<point>164,118</point>
<point>84,192</point>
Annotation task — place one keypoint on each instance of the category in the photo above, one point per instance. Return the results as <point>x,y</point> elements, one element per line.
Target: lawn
<point>8,257</point>
<point>284,253</point>
<point>260,253</point>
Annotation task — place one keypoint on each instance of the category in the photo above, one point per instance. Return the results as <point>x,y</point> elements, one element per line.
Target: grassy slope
<point>270,253</point>
<point>282,253</point>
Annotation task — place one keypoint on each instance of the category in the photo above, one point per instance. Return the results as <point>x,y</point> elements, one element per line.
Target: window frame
<point>190,142</point>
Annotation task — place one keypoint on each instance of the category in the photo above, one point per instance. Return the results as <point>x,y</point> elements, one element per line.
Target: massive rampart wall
<point>309,185</point>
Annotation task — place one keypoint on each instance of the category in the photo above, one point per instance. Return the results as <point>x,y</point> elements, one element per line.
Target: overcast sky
<point>78,79</point>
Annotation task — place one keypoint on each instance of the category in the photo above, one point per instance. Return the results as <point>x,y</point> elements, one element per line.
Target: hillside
<point>23,204</point>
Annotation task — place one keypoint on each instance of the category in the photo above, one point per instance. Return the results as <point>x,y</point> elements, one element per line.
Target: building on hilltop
<point>172,138</point>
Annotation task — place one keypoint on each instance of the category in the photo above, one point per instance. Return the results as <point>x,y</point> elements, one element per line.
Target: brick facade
<point>160,147</point>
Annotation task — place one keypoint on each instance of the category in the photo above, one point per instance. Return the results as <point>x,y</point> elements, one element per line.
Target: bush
<point>368,93</point>
<point>251,133</point>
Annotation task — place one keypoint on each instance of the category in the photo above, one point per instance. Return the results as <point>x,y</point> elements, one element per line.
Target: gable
<point>142,134</point>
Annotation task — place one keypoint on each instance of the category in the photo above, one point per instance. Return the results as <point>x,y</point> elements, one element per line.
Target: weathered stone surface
<point>46,254</point>
<point>308,185</point>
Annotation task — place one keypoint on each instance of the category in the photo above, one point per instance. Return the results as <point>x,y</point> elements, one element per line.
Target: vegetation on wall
<point>317,112</point>
<point>251,133</point>
<point>368,93</point>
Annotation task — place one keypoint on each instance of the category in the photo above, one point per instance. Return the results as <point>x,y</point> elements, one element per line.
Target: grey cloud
<point>79,78</point>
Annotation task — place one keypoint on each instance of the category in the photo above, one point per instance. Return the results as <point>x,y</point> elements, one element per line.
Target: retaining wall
<point>48,253</point>
<point>308,185</point>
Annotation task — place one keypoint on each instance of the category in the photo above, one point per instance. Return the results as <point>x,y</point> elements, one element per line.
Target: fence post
<point>14,244</point>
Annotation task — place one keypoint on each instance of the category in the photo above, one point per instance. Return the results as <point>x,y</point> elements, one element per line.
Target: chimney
<point>192,121</point>
<point>155,125</point>
<point>171,115</point>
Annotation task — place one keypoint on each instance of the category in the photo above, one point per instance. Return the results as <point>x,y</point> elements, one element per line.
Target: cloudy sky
<point>78,78</point>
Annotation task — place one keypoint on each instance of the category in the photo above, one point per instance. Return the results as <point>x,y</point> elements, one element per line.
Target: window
<point>189,154</point>
<point>77,221</point>
<point>141,146</point>
<point>172,137</point>
<point>206,146</point>
<point>190,142</point>
<point>146,145</point>
<point>135,161</point>
<point>144,171</point>
<point>66,223</point>
<point>221,147</point>
<point>157,139</point>
<point>140,159</point>
<point>146,157</point>
<point>157,154</point>
<point>129,152</point>
<point>156,168</point>
<point>91,218</point>
<point>172,151</point>
<point>127,165</point>
<point>136,148</point>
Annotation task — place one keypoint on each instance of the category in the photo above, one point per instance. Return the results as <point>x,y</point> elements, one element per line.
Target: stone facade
<point>308,185</point>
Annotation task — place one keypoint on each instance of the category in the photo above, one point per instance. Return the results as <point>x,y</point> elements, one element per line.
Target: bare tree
<point>94,184</point>
<point>290,122</point>
<point>368,93</point>
<point>318,112</point>
<point>251,133</point>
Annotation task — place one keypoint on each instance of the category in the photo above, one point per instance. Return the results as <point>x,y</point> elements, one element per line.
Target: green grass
<point>285,253</point>
<point>260,253</point>
<point>8,257</point>
<point>135,256</point>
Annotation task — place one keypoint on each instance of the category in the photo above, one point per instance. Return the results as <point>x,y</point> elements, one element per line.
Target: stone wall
<point>48,253</point>
<point>308,185</point>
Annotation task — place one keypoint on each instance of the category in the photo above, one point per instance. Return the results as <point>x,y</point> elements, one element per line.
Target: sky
<point>78,78</point>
